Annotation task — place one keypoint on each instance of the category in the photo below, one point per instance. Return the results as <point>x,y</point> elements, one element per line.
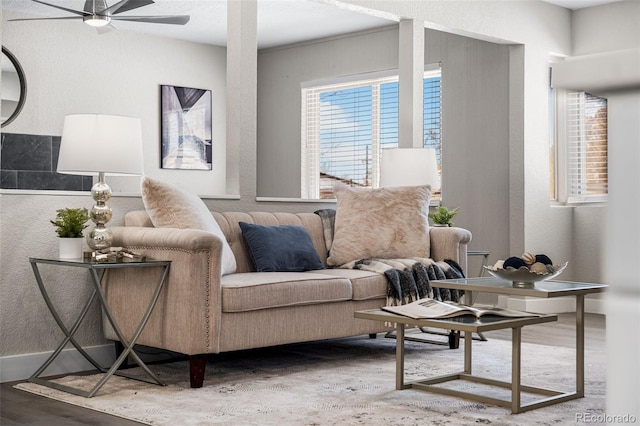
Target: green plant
<point>442,215</point>
<point>70,223</point>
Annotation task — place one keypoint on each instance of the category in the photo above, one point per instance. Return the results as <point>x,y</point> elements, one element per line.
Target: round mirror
<point>13,91</point>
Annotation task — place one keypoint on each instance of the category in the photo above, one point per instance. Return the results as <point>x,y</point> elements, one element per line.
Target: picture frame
<point>186,128</point>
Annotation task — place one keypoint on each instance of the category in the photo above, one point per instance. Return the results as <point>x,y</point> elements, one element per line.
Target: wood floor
<point>23,408</point>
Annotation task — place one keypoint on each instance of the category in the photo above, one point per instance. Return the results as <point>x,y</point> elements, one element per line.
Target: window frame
<point>310,139</point>
<point>563,156</point>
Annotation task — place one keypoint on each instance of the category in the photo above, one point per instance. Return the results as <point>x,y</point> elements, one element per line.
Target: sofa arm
<point>146,238</point>
<point>450,243</point>
<point>186,318</point>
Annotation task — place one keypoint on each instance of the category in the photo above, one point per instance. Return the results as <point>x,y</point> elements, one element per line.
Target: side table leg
<point>68,332</point>
<point>516,339</point>
<point>399,356</point>
<point>467,351</point>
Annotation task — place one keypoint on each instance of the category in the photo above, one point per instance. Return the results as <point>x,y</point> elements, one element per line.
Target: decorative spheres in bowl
<point>530,269</point>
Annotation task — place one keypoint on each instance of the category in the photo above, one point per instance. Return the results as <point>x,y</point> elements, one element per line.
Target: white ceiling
<point>578,4</point>
<point>280,22</point>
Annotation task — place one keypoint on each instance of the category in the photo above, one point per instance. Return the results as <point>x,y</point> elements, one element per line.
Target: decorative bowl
<point>523,277</point>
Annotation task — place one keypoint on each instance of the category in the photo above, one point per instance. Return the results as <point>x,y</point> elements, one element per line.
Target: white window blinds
<point>587,172</point>
<point>345,125</point>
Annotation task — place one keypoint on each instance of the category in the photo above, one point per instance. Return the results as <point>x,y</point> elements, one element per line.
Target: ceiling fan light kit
<point>96,20</point>
<point>97,13</point>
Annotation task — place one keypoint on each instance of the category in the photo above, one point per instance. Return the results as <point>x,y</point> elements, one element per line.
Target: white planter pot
<point>71,248</point>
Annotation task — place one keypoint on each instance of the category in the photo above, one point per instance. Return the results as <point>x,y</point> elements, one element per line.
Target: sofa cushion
<point>172,207</point>
<point>251,291</point>
<point>280,248</point>
<point>366,285</point>
<point>381,223</point>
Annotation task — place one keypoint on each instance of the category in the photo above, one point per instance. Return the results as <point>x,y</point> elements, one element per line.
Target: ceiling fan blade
<point>45,19</point>
<point>77,12</point>
<point>125,5</point>
<point>169,19</point>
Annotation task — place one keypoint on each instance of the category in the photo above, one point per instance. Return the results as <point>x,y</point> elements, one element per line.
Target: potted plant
<point>442,216</point>
<point>69,225</point>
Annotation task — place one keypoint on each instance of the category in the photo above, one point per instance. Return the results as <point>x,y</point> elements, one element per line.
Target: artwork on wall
<point>186,128</point>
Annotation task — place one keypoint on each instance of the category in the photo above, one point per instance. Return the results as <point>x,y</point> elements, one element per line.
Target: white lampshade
<point>96,143</point>
<point>409,167</point>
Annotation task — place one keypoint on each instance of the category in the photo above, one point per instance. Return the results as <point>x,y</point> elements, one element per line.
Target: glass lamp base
<point>100,238</point>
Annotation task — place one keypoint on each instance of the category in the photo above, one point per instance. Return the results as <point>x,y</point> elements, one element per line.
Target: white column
<point>622,254</point>
<point>242,87</point>
<point>411,75</point>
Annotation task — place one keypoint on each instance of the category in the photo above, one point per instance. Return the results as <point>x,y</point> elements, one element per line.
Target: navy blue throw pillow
<point>282,248</point>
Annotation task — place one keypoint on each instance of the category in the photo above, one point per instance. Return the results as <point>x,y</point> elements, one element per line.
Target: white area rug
<point>345,382</point>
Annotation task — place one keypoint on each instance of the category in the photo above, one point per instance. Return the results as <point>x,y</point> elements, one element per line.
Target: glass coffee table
<point>470,324</point>
<point>543,289</point>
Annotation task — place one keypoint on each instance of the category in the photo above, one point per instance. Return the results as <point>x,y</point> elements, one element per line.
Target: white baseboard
<point>551,306</point>
<point>21,367</point>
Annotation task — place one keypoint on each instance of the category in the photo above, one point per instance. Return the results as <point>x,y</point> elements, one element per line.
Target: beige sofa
<point>201,312</point>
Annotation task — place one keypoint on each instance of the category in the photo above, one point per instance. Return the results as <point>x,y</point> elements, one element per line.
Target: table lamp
<point>409,167</point>
<point>98,144</point>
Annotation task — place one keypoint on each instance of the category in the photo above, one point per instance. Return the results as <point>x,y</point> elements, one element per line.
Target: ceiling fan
<point>97,13</point>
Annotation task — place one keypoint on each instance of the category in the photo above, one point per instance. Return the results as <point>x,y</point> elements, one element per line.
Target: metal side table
<point>96,271</point>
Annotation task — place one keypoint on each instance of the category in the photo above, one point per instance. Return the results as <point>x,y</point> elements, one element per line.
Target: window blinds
<point>587,172</point>
<point>346,124</point>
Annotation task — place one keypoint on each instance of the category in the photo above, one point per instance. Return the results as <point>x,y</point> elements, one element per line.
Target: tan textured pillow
<point>384,223</point>
<point>171,207</point>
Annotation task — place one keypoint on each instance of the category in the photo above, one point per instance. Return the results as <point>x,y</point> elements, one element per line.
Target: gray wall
<point>475,104</point>
<point>600,29</point>
<point>72,69</point>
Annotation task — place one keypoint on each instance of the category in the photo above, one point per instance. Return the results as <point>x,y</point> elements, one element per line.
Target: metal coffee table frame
<point>469,325</point>
<point>542,289</point>
<point>97,270</point>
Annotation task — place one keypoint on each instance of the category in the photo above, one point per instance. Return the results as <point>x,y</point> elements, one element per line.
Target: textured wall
<point>72,69</point>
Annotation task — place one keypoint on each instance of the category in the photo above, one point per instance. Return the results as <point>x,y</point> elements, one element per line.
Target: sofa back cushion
<point>229,224</point>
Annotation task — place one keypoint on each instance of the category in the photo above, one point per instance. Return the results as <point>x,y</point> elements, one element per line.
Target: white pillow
<point>171,207</point>
<point>386,223</point>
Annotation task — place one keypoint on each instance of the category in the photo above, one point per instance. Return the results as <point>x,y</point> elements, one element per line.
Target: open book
<point>430,308</point>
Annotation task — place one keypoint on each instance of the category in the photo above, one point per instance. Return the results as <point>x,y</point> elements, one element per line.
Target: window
<point>345,126</point>
<point>587,173</point>
<point>578,147</point>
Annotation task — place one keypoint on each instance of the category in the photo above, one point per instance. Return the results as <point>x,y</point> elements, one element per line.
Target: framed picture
<point>186,128</point>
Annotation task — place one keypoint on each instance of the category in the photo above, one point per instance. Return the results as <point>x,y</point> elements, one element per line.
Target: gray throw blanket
<point>407,279</point>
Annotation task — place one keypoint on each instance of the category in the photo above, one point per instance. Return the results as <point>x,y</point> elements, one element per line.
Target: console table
<point>470,324</point>
<point>545,289</point>
<point>96,272</point>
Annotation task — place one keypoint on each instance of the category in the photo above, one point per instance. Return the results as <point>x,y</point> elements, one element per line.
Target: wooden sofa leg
<point>197,364</point>
<point>454,339</point>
